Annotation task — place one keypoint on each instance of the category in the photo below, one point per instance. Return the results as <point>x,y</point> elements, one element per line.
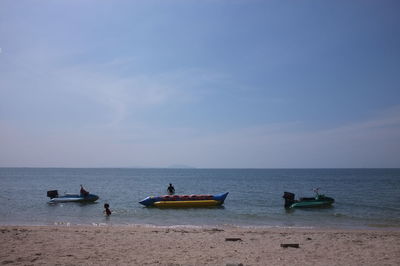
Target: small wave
<point>99,224</point>
<point>62,223</point>
<point>384,225</point>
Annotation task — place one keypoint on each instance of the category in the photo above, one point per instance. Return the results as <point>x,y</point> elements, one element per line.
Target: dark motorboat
<point>318,201</point>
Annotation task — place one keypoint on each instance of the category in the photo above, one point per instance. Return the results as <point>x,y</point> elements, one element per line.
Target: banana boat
<point>177,201</point>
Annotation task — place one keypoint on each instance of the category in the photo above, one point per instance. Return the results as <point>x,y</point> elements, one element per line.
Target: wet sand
<point>142,245</point>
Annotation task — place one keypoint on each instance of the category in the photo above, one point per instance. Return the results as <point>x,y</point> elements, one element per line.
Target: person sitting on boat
<point>83,192</point>
<point>107,210</point>
<point>171,189</point>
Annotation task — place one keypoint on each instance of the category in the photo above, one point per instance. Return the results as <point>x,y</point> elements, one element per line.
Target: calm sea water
<point>365,198</point>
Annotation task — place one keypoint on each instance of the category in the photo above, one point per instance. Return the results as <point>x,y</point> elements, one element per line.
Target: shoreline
<point>183,245</point>
<point>195,226</point>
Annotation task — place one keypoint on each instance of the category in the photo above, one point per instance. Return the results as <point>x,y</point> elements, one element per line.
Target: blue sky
<point>242,84</point>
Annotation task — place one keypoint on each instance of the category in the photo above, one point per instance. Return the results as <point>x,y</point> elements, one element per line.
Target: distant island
<point>180,166</point>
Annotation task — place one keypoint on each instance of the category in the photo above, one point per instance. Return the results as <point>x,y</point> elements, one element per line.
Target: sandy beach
<point>142,245</point>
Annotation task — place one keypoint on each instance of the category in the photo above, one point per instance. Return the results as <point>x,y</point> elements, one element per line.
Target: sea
<point>364,198</point>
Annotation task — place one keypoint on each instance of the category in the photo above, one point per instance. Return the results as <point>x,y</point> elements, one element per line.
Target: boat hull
<point>184,201</point>
<point>318,201</point>
<point>311,204</point>
<point>75,198</point>
<point>188,204</point>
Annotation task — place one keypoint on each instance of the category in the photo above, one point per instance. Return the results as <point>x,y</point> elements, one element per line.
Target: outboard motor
<point>289,199</point>
<point>52,194</point>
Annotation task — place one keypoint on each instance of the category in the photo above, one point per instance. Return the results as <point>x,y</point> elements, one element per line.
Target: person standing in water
<point>107,210</point>
<point>171,189</point>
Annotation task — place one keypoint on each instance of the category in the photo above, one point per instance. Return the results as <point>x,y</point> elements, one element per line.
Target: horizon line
<point>198,168</point>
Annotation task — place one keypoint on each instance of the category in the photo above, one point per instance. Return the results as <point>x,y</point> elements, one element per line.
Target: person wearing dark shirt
<point>171,189</point>
<point>107,210</point>
<point>83,192</point>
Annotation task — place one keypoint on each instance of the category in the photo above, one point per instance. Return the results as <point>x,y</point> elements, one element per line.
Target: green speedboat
<point>318,201</point>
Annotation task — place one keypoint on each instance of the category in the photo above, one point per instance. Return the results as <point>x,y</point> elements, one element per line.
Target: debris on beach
<point>233,239</point>
<point>290,245</point>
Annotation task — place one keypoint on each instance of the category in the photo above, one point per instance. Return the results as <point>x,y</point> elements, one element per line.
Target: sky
<point>207,84</point>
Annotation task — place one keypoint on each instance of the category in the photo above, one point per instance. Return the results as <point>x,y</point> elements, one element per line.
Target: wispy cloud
<point>120,96</point>
<point>374,142</point>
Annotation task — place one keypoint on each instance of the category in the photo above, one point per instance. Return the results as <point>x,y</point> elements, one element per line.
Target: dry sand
<point>141,245</point>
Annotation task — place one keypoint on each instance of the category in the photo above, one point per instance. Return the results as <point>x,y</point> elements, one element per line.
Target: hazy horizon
<point>197,168</point>
<point>204,84</point>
